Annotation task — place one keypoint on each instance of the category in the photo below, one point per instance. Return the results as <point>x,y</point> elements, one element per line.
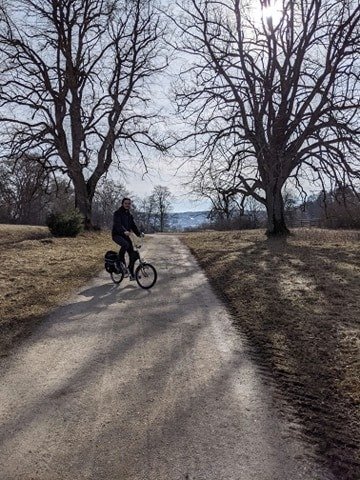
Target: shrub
<point>68,224</point>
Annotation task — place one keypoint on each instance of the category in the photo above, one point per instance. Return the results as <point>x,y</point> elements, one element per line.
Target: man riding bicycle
<point>123,226</point>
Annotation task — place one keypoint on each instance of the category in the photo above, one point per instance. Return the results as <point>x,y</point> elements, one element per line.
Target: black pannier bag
<point>110,261</point>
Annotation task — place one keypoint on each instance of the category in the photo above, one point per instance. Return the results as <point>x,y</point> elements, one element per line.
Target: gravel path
<point>122,383</point>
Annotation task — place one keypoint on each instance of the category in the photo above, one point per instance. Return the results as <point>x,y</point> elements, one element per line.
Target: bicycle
<point>145,273</point>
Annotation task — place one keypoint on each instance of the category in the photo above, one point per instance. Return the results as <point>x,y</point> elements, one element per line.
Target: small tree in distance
<point>107,199</point>
<point>24,186</point>
<point>145,214</point>
<point>161,198</point>
<point>28,194</point>
<point>342,209</point>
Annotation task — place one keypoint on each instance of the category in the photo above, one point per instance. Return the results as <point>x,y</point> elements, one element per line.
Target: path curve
<point>122,383</point>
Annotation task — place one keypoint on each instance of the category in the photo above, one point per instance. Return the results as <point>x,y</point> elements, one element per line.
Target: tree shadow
<point>287,301</point>
<point>165,414</point>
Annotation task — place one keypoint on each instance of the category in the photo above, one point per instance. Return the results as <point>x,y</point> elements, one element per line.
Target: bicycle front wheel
<point>145,275</point>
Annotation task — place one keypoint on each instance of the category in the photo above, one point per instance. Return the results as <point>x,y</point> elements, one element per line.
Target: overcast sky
<point>165,170</point>
<point>182,201</point>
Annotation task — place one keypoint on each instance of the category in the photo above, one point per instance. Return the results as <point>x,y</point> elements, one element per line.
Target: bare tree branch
<point>279,90</point>
<point>75,80</point>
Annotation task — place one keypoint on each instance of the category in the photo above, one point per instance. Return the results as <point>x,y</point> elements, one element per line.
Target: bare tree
<point>222,199</point>
<point>144,214</point>
<point>74,84</point>
<point>107,199</point>
<point>161,199</point>
<point>217,183</point>
<point>342,209</point>
<point>23,191</point>
<point>275,84</point>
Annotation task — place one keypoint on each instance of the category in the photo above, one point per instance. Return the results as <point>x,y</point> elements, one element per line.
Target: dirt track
<point>121,383</point>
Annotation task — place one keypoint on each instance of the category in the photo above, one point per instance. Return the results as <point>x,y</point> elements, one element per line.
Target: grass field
<point>39,271</point>
<point>298,302</point>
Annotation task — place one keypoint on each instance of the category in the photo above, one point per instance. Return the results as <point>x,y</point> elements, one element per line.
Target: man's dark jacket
<point>124,222</point>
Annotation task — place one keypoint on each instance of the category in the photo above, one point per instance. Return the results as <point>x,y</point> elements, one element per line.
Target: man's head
<point>126,203</point>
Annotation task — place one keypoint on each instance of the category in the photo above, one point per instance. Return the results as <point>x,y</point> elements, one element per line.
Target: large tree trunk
<point>83,199</point>
<point>275,211</point>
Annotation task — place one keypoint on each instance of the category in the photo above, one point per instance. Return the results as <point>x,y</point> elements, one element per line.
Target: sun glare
<point>266,10</point>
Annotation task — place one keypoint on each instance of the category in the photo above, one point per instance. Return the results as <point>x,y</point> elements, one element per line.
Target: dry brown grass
<point>10,234</point>
<point>298,301</point>
<point>39,271</point>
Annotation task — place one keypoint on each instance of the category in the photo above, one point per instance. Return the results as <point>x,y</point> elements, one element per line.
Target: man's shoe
<point>124,269</point>
<point>132,278</point>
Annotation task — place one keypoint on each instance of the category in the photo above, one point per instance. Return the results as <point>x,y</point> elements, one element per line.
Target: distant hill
<point>183,220</point>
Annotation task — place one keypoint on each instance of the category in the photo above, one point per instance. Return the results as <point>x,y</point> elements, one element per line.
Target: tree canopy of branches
<point>107,199</point>
<point>340,209</point>
<point>22,191</point>
<point>223,200</point>
<point>276,86</point>
<point>145,214</point>
<point>151,212</point>
<point>28,194</point>
<point>74,80</point>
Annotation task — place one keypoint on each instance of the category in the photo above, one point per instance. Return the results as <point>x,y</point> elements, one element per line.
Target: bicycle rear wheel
<point>117,276</point>
<point>145,275</point>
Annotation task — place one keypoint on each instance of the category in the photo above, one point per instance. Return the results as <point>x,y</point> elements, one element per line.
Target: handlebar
<point>137,241</point>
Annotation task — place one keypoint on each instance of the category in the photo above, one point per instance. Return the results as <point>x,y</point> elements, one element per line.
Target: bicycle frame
<point>145,273</point>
